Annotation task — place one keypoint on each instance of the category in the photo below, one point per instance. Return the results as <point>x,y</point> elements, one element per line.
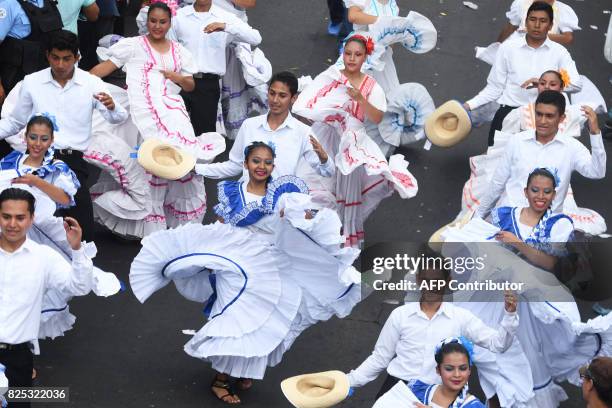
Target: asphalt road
<point>124,354</point>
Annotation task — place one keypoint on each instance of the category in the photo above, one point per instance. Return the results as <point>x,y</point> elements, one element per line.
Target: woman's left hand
<point>316,146</point>
<point>29,179</point>
<point>355,95</point>
<point>507,237</point>
<point>173,76</point>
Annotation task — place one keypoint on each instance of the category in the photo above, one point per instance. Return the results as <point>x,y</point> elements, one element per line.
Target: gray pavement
<point>124,354</point>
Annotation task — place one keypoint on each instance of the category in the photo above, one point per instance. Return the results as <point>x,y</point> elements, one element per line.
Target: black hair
<point>600,372</point>
<point>541,6</point>
<point>39,120</point>
<point>64,40</point>
<point>161,6</point>
<point>18,194</point>
<point>432,260</point>
<point>287,78</point>
<point>544,173</point>
<point>449,348</point>
<point>256,145</point>
<point>552,98</point>
<point>358,39</point>
<point>552,71</point>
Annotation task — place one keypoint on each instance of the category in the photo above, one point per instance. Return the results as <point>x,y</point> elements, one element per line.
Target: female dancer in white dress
<point>340,102</point>
<point>267,271</point>
<point>521,119</point>
<point>53,185</point>
<point>157,70</point>
<point>552,336</point>
<point>454,357</point>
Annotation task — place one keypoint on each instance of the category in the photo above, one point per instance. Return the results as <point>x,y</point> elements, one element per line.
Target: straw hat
<point>448,125</point>
<point>164,160</point>
<point>318,390</point>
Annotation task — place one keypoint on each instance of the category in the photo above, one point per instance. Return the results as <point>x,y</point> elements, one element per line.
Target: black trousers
<point>202,103</point>
<point>19,364</point>
<point>83,210</point>
<point>498,120</point>
<point>90,33</point>
<point>5,148</point>
<point>389,383</point>
<point>336,11</point>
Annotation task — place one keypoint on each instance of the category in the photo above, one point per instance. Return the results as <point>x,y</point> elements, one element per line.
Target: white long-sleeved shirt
<point>72,106</point>
<point>25,275</point>
<point>209,49</point>
<point>515,63</point>
<point>406,345</point>
<point>524,153</point>
<point>290,140</point>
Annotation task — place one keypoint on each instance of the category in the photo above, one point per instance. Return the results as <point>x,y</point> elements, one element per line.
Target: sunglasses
<point>43,138</point>
<point>585,374</point>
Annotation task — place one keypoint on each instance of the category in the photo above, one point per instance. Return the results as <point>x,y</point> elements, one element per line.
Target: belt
<point>202,75</point>
<point>14,347</point>
<point>69,152</point>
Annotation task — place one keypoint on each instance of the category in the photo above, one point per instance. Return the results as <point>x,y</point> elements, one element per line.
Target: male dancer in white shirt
<point>520,59</point>
<point>544,147</point>
<point>27,270</point>
<point>406,344</point>
<point>290,138</point>
<point>206,30</point>
<point>70,95</point>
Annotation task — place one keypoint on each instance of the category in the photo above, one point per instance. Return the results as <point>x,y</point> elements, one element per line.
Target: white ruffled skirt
<point>363,178</point>
<point>56,318</point>
<point>244,86</point>
<point>259,297</point>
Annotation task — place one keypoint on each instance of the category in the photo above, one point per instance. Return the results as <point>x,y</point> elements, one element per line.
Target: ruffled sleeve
<point>188,65</point>
<point>362,4</point>
<point>421,390</point>
<point>123,51</point>
<point>280,186</point>
<point>502,218</point>
<point>377,98</point>
<point>228,193</point>
<point>64,178</point>
<point>568,20</point>
<point>562,229</point>
<point>515,15</point>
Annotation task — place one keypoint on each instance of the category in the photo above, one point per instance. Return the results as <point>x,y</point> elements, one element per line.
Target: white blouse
<point>135,50</point>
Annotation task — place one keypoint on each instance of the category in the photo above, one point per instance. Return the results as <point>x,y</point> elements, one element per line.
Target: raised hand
<point>74,233</point>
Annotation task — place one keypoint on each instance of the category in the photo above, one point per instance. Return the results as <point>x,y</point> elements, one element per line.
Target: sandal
<point>245,384</point>
<point>225,385</point>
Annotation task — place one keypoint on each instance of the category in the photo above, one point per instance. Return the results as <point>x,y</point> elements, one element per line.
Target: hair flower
<point>565,78</point>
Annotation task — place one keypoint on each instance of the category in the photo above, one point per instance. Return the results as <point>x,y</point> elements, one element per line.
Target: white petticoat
<point>56,318</point>
<point>253,309</point>
<point>129,201</point>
